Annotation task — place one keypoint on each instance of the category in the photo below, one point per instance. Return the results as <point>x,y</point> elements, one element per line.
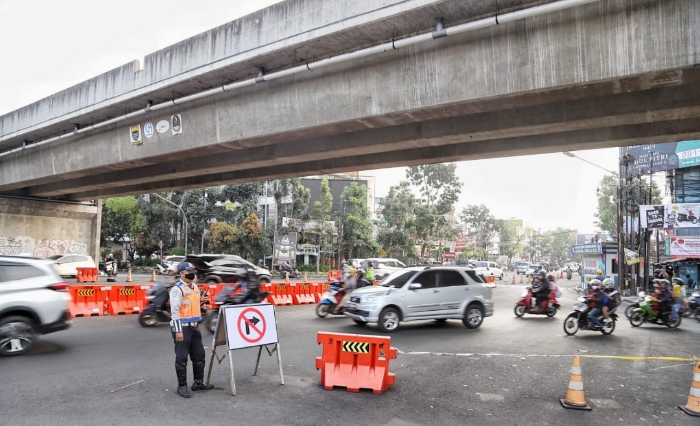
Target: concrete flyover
<point>603,74</point>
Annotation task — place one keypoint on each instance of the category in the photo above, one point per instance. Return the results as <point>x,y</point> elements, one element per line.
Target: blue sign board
<point>593,248</point>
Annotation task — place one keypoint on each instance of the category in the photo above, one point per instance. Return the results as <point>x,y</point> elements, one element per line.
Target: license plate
<point>351,305</point>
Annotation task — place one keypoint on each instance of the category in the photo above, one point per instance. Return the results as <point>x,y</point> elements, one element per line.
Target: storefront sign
<point>587,249</point>
<point>685,247</point>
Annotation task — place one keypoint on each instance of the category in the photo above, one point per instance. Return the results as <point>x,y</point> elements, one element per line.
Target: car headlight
<point>374,297</point>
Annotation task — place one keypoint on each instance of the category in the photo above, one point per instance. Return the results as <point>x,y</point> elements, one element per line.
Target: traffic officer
<point>185,318</point>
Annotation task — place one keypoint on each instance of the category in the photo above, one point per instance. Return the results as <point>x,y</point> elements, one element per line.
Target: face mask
<point>190,276</point>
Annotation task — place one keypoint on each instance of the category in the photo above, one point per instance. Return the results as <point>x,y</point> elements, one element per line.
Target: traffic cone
<point>153,276</point>
<point>561,275</point>
<point>305,279</point>
<point>286,277</point>
<point>692,408</point>
<point>575,398</point>
<point>128,275</point>
<point>513,281</point>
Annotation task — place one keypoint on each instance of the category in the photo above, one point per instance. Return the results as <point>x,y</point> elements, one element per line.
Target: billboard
<point>671,216</point>
<point>662,157</point>
<point>285,247</point>
<point>685,247</point>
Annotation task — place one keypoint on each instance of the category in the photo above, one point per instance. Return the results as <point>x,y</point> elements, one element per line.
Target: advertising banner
<point>681,216</point>
<point>654,216</point>
<point>631,257</point>
<point>662,157</point>
<point>595,248</point>
<point>685,247</point>
<point>285,248</point>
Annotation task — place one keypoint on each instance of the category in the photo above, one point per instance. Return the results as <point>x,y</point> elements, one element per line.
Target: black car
<point>220,268</point>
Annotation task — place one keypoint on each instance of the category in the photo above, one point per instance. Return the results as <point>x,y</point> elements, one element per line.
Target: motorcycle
<point>578,319</point>
<point>330,299</point>
<point>228,296</point>
<point>630,309</point>
<point>645,313</point>
<point>293,273</point>
<point>569,275</point>
<point>111,268</point>
<point>689,217</point>
<point>165,268</point>
<point>158,307</point>
<point>525,305</point>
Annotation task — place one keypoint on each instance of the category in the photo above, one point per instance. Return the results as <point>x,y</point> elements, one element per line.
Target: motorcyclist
<point>553,286</point>
<point>540,288</point>
<point>614,299</point>
<point>247,287</point>
<point>110,263</point>
<point>350,282</point>
<point>663,295</point>
<point>678,294</point>
<point>599,298</point>
<point>360,279</point>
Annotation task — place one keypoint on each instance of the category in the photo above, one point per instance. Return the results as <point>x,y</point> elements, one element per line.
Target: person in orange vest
<point>185,318</point>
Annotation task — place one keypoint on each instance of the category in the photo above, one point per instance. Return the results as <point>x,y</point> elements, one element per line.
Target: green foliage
<point>248,242</point>
<point>511,240</point>
<point>560,248</point>
<point>357,224</point>
<point>484,223</point>
<point>177,251</point>
<point>437,183</point>
<point>118,255</point>
<point>397,223</point>
<point>222,238</point>
<point>632,189</point>
<point>322,208</point>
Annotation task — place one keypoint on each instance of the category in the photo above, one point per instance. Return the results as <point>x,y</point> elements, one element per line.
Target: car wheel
<point>389,320</point>
<point>17,335</point>
<point>473,317</point>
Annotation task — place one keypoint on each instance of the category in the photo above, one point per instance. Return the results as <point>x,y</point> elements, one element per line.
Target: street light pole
<point>184,216</point>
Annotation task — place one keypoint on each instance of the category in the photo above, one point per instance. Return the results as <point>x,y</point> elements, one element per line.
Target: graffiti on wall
<point>11,246</point>
<point>48,248</point>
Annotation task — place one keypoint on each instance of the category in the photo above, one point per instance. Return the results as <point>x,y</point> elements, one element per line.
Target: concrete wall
<point>44,229</point>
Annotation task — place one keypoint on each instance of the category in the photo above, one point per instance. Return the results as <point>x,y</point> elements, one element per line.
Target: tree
<point>562,240</point>
<point>300,201</point>
<point>249,238</point>
<point>511,240</point>
<point>222,237</point>
<point>634,190</point>
<point>322,208</point>
<point>357,223</point>
<point>397,224</point>
<point>485,225</point>
<point>122,221</point>
<point>437,183</point>
<point>246,197</point>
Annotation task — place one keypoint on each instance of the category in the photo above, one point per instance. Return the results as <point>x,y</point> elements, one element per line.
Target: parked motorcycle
<point>330,299</point>
<point>527,300</point>
<point>687,217</point>
<point>228,296</point>
<point>166,268</point>
<point>111,268</point>
<point>158,307</point>
<point>578,319</point>
<point>646,313</point>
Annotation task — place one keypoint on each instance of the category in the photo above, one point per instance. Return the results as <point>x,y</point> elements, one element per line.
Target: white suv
<point>33,300</point>
<point>383,266</point>
<point>423,293</point>
<point>489,269</point>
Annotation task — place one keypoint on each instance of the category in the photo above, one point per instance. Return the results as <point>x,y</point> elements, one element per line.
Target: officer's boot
<point>182,381</point>
<point>198,373</point>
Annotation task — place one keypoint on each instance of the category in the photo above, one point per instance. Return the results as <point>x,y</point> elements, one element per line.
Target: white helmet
<point>608,284</point>
<point>595,284</point>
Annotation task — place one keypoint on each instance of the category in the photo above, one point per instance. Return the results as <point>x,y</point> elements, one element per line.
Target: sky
<point>51,45</point>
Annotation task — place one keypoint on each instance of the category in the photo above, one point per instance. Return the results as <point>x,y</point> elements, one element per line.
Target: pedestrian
<point>185,318</point>
<point>691,284</point>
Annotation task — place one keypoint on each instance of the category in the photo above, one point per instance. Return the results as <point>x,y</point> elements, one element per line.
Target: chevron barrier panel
<point>127,300</point>
<point>87,300</point>
<point>355,361</point>
<point>281,294</point>
<point>304,293</point>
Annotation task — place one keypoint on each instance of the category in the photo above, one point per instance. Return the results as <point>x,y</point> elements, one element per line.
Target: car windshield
<point>522,264</point>
<point>481,264</point>
<point>397,278</point>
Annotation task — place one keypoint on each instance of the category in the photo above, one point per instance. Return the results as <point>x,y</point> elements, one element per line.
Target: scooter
<point>526,305</point>
<point>166,268</point>
<point>158,308</point>
<point>293,273</point>
<point>228,296</point>
<point>111,268</point>
<point>330,299</point>
<point>689,217</point>
<point>569,274</point>
<point>578,319</point>
<point>646,313</point>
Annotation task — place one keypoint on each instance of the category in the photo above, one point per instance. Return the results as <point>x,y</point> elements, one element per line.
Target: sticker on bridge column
<point>250,325</point>
<point>176,124</point>
<point>148,129</point>
<point>135,135</point>
<point>162,126</point>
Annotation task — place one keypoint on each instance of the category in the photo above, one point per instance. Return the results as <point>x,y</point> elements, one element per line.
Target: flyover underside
<point>650,108</point>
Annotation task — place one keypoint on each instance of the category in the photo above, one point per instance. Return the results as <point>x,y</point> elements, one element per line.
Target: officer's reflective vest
<point>189,309</point>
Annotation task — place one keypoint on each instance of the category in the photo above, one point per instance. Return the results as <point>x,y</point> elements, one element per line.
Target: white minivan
<point>489,269</point>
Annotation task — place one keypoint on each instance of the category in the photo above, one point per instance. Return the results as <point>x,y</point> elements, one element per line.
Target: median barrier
<point>320,289</point>
<point>335,275</point>
<point>491,281</point>
<point>355,361</point>
<point>127,300</point>
<point>86,275</point>
<point>304,293</point>
<point>87,300</point>
<point>280,293</point>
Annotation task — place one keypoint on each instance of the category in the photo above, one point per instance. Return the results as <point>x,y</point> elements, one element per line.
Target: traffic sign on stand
<point>246,326</point>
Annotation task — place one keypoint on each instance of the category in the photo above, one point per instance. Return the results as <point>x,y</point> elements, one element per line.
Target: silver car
<point>33,300</point>
<point>423,293</point>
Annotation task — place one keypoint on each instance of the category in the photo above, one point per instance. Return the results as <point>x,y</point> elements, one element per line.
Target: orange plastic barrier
<point>355,361</point>
<point>87,300</point>
<point>320,289</point>
<point>335,275</point>
<point>304,293</point>
<point>266,287</point>
<point>211,291</point>
<point>281,294</point>
<point>86,275</point>
<point>127,300</point>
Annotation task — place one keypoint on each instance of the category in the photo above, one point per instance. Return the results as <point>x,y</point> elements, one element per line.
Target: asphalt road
<point>510,371</point>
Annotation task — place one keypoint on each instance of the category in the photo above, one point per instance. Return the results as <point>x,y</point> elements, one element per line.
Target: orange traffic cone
<point>153,276</point>
<point>513,280</point>
<point>693,406</point>
<point>128,275</point>
<point>575,398</point>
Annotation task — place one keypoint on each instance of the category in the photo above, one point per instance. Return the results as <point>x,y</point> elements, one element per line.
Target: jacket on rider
<point>185,303</point>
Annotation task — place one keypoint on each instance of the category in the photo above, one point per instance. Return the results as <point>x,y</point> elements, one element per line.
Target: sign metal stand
<point>246,326</point>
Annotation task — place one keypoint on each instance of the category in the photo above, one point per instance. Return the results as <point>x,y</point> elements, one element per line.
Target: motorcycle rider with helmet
<point>614,299</point>
<point>663,295</point>
<point>553,286</point>
<point>540,288</point>
<point>678,296</point>
<point>600,299</point>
